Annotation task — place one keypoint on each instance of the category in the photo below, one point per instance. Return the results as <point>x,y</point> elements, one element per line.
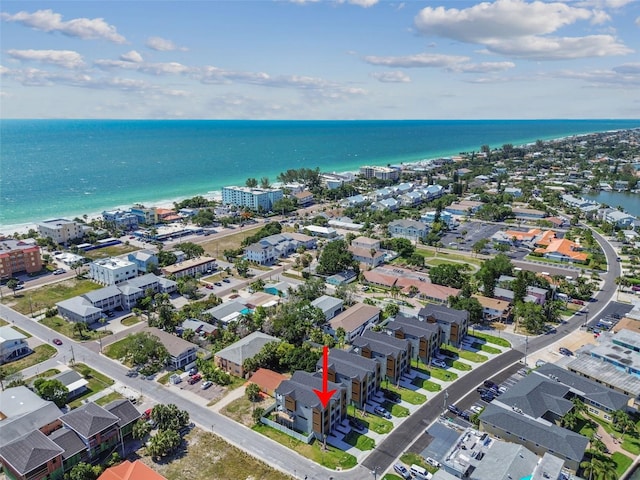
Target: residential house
<point>513,191</point>
<point>145,260</point>
<point>300,409</point>
<point>74,449</point>
<point>618,218</point>
<point>431,192</point>
<point>464,207</point>
<point>353,321</point>
<point>316,231</point>
<point>31,456</point>
<point>111,271</point>
<point>145,216</point>
<point>366,243</point>
<point>181,352</point>
<point>361,376</point>
<point>528,213</point>
<point>342,278</point>
<point>405,228</point>
<point>127,470</point>
<point>394,354</point>
<point>18,256</point>
<point>386,204</point>
<point>353,201</point>
<point>258,199</point>
<point>191,267</point>
<point>304,198</point>
<point>231,358</point>
<point>267,380</point>
<point>121,219</point>
<point>494,309</point>
<point>454,323</point>
<point>79,309</point>
<point>430,216</point>
<point>563,250</point>
<point>410,199</point>
<point>330,306</point>
<point>60,230</point>
<point>334,180</point>
<point>136,288</point>
<point>97,427</point>
<point>226,311</point>
<point>424,337</point>
<point>539,294</point>
<point>369,257</point>
<point>22,411</point>
<point>261,253</point>
<point>203,329</point>
<point>345,223</point>
<point>13,345</point>
<point>127,415</point>
<point>75,383</point>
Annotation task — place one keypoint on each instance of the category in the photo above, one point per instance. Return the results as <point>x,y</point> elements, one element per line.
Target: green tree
<point>253,392</point>
<point>163,443</point>
<point>257,415</point>
<point>140,429</point>
<point>251,182</point>
<point>52,390</point>
<point>242,267</point>
<point>13,284</point>
<point>169,417</point>
<point>470,304</point>
<point>391,310</point>
<point>190,249</point>
<point>335,257</point>
<point>449,275</point>
<point>84,471</point>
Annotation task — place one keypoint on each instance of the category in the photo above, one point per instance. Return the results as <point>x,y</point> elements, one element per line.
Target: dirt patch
<point>241,410</point>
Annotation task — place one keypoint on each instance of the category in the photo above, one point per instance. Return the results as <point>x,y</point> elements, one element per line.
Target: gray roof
<point>301,385</point>
<point>143,255</point>
<point>102,294</point>
<point>349,364</point>
<point>8,333</point>
<point>68,377</point>
<point>79,305</point>
<point>124,410</point>
<point>503,293</point>
<point>198,325</point>
<point>586,388</point>
<point>227,308</point>
<point>503,461</point>
<point>24,411</point>
<point>381,343</point>
<point>549,436</point>
<point>606,373</point>
<point>246,347</point>
<point>89,419</point>
<point>444,314</point>
<point>29,452</point>
<point>142,282</point>
<point>412,326</point>
<point>326,303</point>
<point>69,441</point>
<point>175,345</point>
<point>535,395</point>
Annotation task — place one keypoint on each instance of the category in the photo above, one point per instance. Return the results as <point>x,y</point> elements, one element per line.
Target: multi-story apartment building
<point>18,256</point>
<point>454,323</point>
<point>60,230</point>
<point>381,173</point>
<point>121,219</point>
<point>253,198</point>
<point>191,267</point>
<point>394,354</point>
<point>110,271</point>
<point>424,337</point>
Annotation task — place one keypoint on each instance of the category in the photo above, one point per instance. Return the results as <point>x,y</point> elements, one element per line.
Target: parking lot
<point>211,393</point>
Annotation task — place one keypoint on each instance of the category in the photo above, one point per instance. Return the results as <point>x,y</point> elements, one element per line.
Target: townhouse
<point>405,228</point>
<point>360,376</point>
<point>394,354</point>
<point>425,337</point>
<point>300,409</point>
<point>353,321</point>
<point>454,323</point>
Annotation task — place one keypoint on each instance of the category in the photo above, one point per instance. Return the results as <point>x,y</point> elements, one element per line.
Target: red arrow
<point>323,394</point>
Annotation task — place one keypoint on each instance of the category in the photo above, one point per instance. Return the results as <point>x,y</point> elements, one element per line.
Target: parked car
<point>432,462</point>
<point>195,378</point>
<point>391,395</point>
<point>206,384</point>
<point>226,280</point>
<point>357,425</point>
<point>454,409</point>
<point>476,408</point>
<point>487,397</point>
<point>57,341</point>
<point>466,415</point>
<point>402,471</point>
<point>565,351</point>
<point>438,363</point>
<point>489,384</point>
<point>217,284</point>
<point>59,271</point>
<point>193,371</point>
<point>577,302</point>
<point>383,412</point>
<point>208,286</point>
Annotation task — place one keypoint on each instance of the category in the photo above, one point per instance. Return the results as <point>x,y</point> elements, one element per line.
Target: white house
<point>13,345</point>
<point>109,271</point>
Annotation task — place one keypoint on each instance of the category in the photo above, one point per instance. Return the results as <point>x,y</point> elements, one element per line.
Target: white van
<point>418,471</point>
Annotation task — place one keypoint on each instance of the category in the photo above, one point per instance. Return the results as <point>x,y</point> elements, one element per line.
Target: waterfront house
<point>122,219</point>
<point>618,218</point>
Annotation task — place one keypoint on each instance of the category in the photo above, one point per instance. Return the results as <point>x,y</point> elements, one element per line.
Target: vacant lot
<point>206,456</point>
<point>217,246</point>
<point>241,410</point>
<point>48,295</point>
<point>113,251</point>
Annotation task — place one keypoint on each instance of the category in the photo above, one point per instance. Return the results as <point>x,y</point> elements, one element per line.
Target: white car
<point>476,409</point>
<point>206,385</point>
<point>438,363</point>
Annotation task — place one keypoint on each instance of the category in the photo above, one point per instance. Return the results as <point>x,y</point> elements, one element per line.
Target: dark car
<point>218,284</point>
<point>466,415</point>
<point>391,395</point>
<point>357,425</point>
<point>482,390</point>
<point>565,351</point>
<point>57,341</point>
<point>489,384</point>
<point>454,409</point>
<point>226,280</point>
<point>487,397</point>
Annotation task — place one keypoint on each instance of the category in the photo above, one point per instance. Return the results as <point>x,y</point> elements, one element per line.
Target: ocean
<point>55,168</point>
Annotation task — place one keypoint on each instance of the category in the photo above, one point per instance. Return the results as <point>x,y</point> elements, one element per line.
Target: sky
<point>322,59</point>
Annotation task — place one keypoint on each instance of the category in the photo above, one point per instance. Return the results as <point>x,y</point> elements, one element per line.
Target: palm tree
<point>394,291</point>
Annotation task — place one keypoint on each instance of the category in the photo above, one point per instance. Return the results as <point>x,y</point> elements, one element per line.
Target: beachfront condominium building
<point>253,198</point>
<point>60,230</point>
<point>18,256</point>
<point>109,271</point>
<point>381,173</point>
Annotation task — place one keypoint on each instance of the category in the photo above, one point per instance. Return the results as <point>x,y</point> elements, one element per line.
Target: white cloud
<point>604,3</point>
<point>417,61</point>
<point>162,45</point>
<point>131,56</point>
<point>521,29</point>
<point>482,67</point>
<point>361,3</point>
<point>160,68</point>
<point>61,58</point>
<point>391,77</point>
<point>48,21</point>
<point>637,22</point>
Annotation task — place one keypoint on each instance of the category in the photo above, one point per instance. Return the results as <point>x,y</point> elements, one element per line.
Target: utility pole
<point>526,346</point>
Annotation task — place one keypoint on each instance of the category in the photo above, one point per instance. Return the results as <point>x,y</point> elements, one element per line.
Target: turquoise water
<point>54,168</point>
<point>630,202</point>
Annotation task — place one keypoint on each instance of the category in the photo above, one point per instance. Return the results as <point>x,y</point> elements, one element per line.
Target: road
<point>286,460</point>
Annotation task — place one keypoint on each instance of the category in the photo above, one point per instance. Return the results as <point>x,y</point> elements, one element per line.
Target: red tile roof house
<point>130,471</point>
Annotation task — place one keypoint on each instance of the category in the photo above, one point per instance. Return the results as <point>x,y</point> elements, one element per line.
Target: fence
<point>282,428</point>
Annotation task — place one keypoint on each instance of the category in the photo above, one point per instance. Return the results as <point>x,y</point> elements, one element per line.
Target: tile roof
<point>266,379</point>
<point>130,471</point>
<point>89,419</point>
<point>564,247</point>
<point>29,452</point>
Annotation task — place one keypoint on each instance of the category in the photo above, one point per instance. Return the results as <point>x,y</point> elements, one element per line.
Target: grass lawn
<point>110,397</point>
<point>459,365</point>
<point>3,322</point>
<point>426,384</point>
<point>129,321</point>
<point>39,355</point>
<point>97,382</point>
<point>411,458</point>
<point>466,355</point>
<point>492,339</point>
<point>68,329</point>
<point>395,409</point>
<point>26,334</point>
<point>391,476</point>
<point>622,463</point>
<point>361,442</point>
<point>208,456</point>
<point>217,246</point>
<point>372,422</point>
<point>487,348</point>
<point>437,372</point>
<point>409,396</point>
<point>331,458</point>
<point>164,379</point>
<point>48,295</point>
<point>112,251</point>
<point>46,374</point>
<point>116,350</point>
<point>241,410</point>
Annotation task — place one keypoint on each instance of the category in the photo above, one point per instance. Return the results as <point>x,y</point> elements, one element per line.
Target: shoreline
<point>24,227</point>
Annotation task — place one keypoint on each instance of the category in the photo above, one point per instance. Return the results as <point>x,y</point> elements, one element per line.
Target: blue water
<point>630,202</point>
<point>54,168</point>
